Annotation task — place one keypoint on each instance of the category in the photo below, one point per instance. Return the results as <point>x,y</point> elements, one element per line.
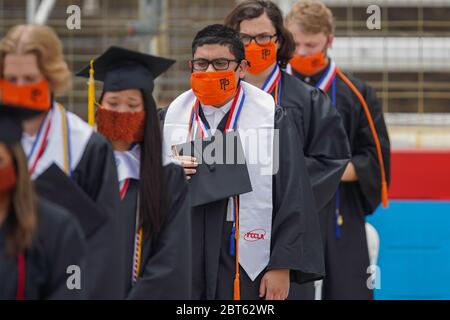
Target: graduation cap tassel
<point>237,283</point>
<point>237,288</point>
<point>339,221</point>
<point>91,95</point>
<point>233,229</point>
<point>232,241</point>
<point>384,188</point>
<point>338,227</point>
<point>384,194</point>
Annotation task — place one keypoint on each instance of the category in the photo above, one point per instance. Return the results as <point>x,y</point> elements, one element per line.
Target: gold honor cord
<point>65,139</point>
<point>91,95</point>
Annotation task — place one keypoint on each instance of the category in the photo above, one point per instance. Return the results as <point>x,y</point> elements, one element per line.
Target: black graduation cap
<point>11,122</point>
<point>54,185</point>
<point>18,112</point>
<point>122,69</point>
<point>217,176</point>
<point>10,130</point>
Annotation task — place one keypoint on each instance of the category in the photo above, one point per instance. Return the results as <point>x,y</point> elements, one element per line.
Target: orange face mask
<point>214,88</point>
<point>121,126</point>
<point>260,57</point>
<point>309,65</point>
<point>8,178</point>
<point>34,96</point>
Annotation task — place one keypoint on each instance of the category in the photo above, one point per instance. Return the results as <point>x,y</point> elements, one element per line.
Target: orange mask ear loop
<point>384,188</point>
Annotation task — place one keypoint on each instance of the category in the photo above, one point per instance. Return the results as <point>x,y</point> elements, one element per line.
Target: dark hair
<point>152,195</point>
<point>252,9</point>
<point>23,217</point>
<point>220,34</point>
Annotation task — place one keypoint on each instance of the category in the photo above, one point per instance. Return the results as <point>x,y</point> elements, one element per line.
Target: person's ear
<point>242,70</point>
<point>279,42</point>
<point>190,65</point>
<point>330,41</point>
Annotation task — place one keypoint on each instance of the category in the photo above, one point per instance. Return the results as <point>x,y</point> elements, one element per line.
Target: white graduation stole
<point>272,80</point>
<point>256,128</point>
<point>62,140</point>
<point>128,164</point>
<point>328,77</point>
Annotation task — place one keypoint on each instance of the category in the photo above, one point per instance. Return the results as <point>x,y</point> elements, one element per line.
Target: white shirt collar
<point>209,110</point>
<point>215,115</point>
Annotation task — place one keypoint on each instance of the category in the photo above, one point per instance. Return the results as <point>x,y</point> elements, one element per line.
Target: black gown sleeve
<point>96,174</point>
<point>62,243</point>
<point>365,157</point>
<point>167,270</point>
<point>296,240</point>
<point>161,114</point>
<point>327,151</point>
<point>322,132</point>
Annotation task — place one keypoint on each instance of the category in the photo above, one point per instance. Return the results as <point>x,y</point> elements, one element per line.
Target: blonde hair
<point>24,219</point>
<point>45,44</point>
<point>311,16</point>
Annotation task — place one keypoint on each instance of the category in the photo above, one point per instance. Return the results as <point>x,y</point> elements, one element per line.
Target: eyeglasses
<point>219,64</point>
<point>261,39</point>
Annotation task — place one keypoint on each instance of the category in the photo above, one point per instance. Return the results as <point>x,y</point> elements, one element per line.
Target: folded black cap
<point>219,175</point>
<point>122,69</point>
<point>10,130</point>
<point>11,122</point>
<point>55,186</point>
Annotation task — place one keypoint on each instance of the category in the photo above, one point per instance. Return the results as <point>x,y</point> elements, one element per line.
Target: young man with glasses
<point>364,183</point>
<point>268,48</point>
<point>251,245</point>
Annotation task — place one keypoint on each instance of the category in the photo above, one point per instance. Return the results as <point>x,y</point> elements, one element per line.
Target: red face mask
<point>309,65</point>
<point>34,96</point>
<point>214,88</point>
<point>8,178</point>
<point>260,56</point>
<point>121,126</point>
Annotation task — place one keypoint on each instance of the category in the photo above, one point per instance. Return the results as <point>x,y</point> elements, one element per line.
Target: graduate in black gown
<point>154,207</point>
<point>269,46</point>
<point>364,183</point>
<point>59,140</point>
<point>39,241</point>
<point>250,245</point>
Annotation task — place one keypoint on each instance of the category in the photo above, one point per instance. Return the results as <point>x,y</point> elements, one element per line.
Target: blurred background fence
<point>406,61</point>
